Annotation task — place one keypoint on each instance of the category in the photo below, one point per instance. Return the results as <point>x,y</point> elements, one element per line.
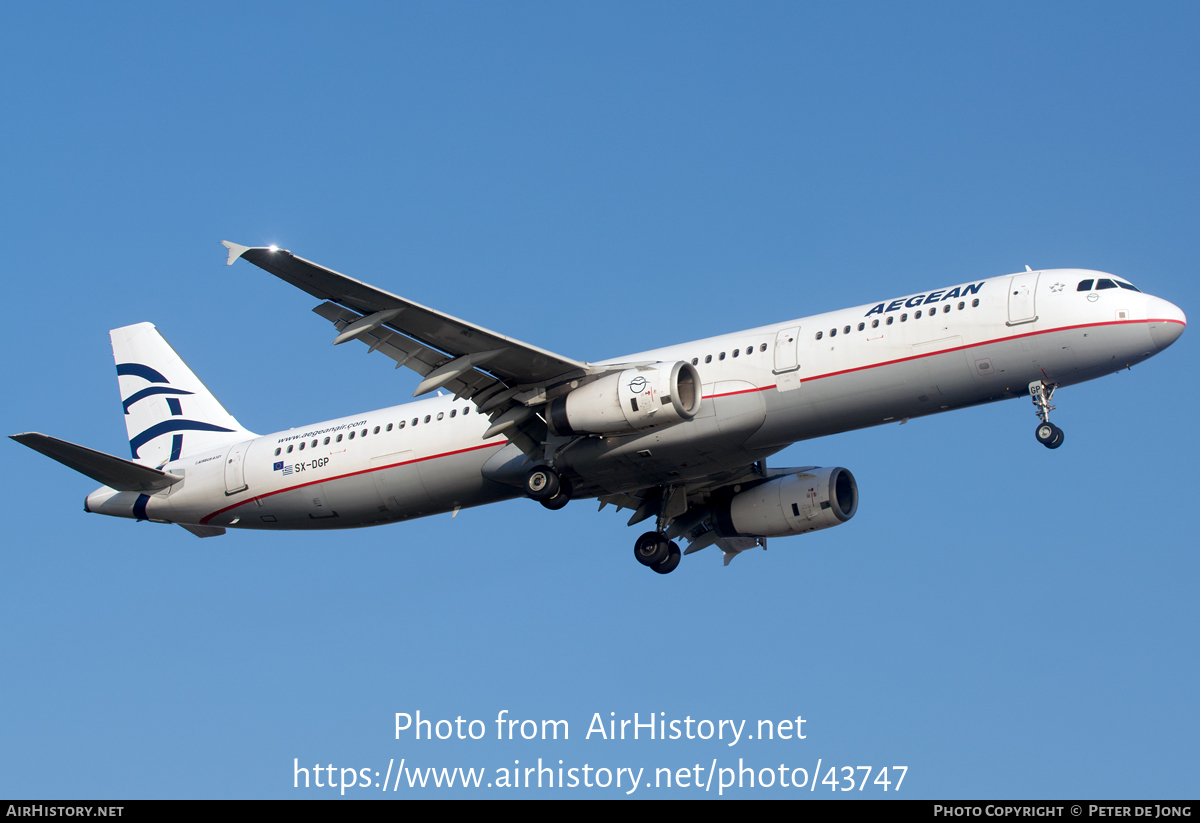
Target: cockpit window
<point>1105,283</point>
<point>1085,285</point>
<point>1129,286</point>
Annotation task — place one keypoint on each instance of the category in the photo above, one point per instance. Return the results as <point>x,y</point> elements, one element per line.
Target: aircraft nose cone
<point>1167,322</point>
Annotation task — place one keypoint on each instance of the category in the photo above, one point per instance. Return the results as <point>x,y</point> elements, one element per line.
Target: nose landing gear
<point>1048,434</point>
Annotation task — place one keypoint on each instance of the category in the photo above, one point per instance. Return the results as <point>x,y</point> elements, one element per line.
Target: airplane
<point>679,434</point>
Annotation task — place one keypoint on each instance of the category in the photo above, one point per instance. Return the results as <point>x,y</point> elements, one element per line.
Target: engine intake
<point>633,400</point>
<point>795,504</point>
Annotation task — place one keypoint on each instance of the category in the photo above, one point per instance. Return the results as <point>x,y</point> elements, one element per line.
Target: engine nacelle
<point>794,504</point>
<point>645,397</point>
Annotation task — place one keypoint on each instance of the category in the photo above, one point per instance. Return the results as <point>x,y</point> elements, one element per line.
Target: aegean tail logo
<point>176,422</point>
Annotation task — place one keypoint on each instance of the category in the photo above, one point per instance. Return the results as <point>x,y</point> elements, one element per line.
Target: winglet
<point>235,251</point>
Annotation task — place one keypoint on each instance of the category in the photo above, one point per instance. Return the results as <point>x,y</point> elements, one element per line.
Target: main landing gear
<point>654,550</point>
<point>544,485</point>
<point>1048,434</point>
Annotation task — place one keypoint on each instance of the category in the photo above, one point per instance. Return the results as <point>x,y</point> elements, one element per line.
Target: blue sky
<point>1004,620</point>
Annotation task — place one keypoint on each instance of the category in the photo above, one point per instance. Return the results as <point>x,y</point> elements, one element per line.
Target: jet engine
<point>794,504</point>
<point>645,397</point>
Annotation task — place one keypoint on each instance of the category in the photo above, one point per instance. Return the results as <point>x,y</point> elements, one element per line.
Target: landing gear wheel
<point>562,498</point>
<point>541,483</point>
<point>651,549</point>
<point>1049,435</point>
<point>1058,439</point>
<point>673,558</point>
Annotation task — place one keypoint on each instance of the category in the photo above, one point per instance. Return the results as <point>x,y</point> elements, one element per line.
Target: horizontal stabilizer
<point>114,472</point>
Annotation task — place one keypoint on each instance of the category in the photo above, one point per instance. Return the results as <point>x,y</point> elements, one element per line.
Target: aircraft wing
<point>451,353</point>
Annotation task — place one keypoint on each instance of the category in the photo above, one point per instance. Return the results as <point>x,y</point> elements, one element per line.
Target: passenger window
<point>975,303</point>
<point>862,326</point>
<point>466,409</point>
<point>875,323</point>
<point>904,318</point>
<point>722,357</point>
<point>351,435</point>
<point>453,412</point>
<point>289,449</point>
<point>339,438</point>
<point>736,352</point>
<point>933,311</point>
<point>327,440</point>
<point>376,431</point>
<point>833,332</point>
<point>277,451</point>
<point>695,361</point>
<point>400,425</point>
<point>314,443</point>
<point>302,445</point>
<point>820,334</point>
<point>415,421</point>
<point>441,415</point>
<point>916,316</point>
<point>749,350</point>
<point>846,330</point>
<point>708,358</point>
<point>426,418</point>
<point>364,432</point>
<point>389,427</point>
<point>889,320</point>
<point>1129,286</point>
<point>763,347</point>
<point>1085,285</point>
<point>962,306</point>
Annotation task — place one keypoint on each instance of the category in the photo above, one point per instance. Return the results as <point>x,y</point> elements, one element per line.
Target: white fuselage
<point>764,389</point>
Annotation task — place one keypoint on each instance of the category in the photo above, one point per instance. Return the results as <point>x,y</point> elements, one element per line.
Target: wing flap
<point>407,352</point>
<point>114,472</point>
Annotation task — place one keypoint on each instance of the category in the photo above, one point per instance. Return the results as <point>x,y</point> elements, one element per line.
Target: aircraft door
<point>1021,298</point>
<point>787,364</point>
<point>235,468</point>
